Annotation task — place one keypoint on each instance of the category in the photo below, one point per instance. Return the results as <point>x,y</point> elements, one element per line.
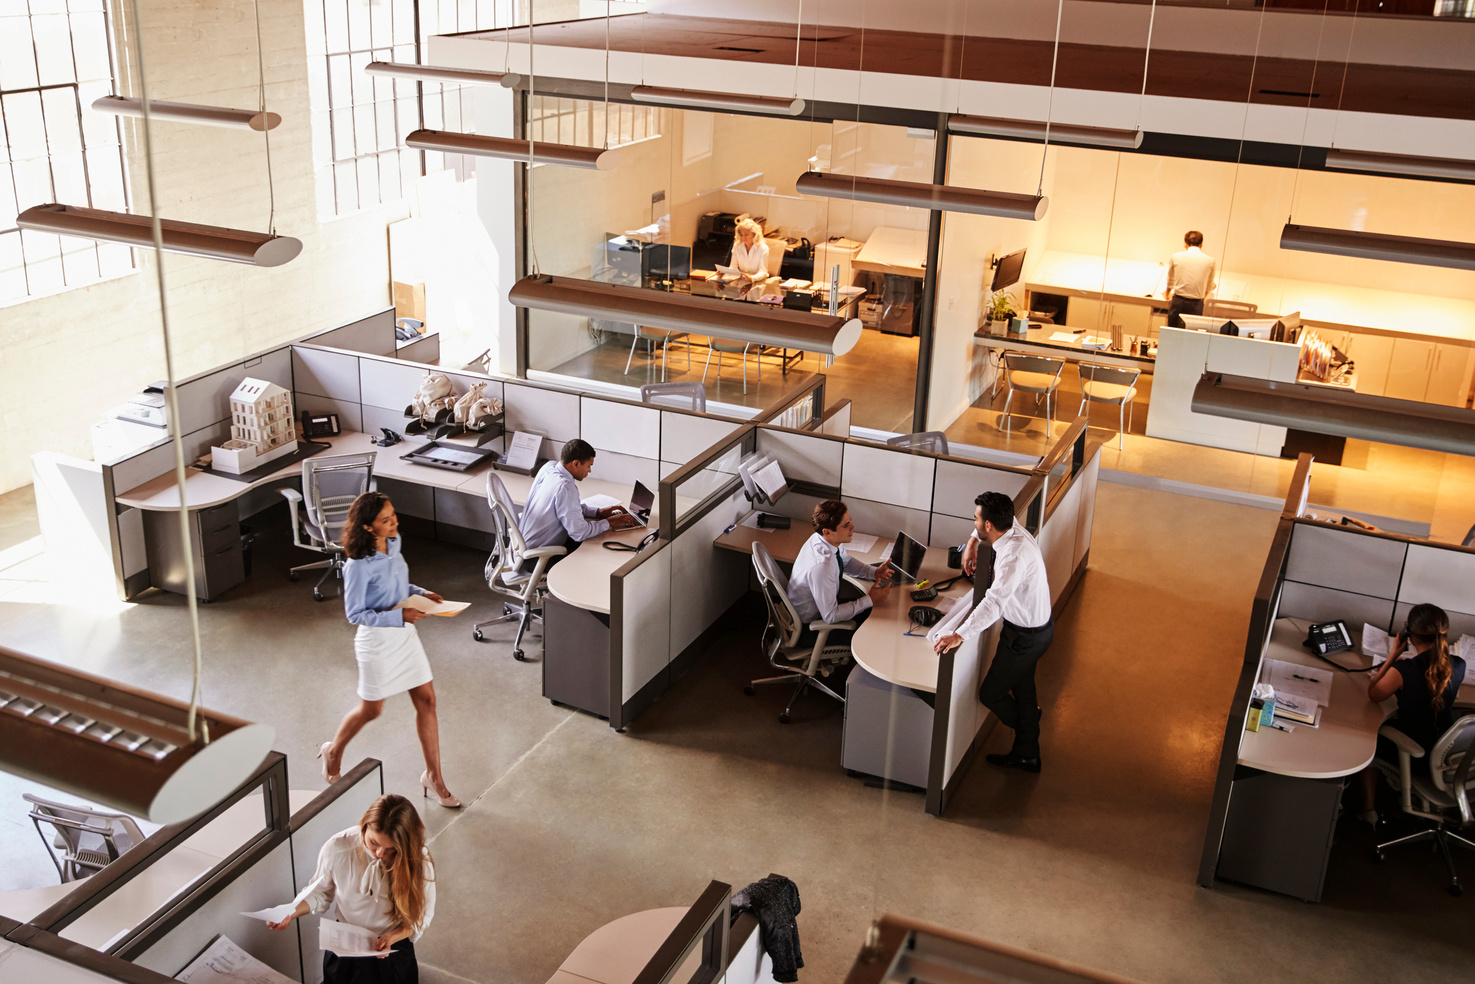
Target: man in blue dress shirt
<point>554,516</point>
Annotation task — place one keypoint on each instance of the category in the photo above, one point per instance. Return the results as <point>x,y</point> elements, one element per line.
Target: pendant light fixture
<point>1424,167</point>
<point>827,334</point>
<point>1379,246</point>
<point>432,73</point>
<point>112,744</point>
<point>538,152</point>
<point>189,238</point>
<point>1091,136</point>
<point>718,101</point>
<point>915,194</point>
<point>1336,412</point>
<point>241,119</point>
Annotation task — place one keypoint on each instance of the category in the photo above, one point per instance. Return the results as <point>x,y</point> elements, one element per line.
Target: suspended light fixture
<point>433,73</point>
<point>1427,167</point>
<point>1338,413</point>
<point>1379,246</point>
<point>719,101</point>
<point>241,119</point>
<point>192,239</point>
<point>827,334</point>
<point>109,743</point>
<point>538,152</point>
<point>948,198</point>
<point>1092,136</point>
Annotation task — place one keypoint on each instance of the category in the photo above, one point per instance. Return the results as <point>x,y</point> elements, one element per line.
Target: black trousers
<point>835,638</point>
<point>1183,305</point>
<point>569,544</point>
<point>397,968</point>
<point>1008,689</point>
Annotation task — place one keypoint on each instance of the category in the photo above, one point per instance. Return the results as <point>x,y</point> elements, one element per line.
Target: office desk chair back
<point>1109,384</point>
<point>330,483</point>
<point>658,336</point>
<point>683,396</point>
<point>783,637</point>
<point>504,568</point>
<point>85,839</point>
<point>1434,797</point>
<point>1032,374</point>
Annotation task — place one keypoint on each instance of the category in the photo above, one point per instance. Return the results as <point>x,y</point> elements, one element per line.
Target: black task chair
<point>1435,797</point>
<point>782,634</point>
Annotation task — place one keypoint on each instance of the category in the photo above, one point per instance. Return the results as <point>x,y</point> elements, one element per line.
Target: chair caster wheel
<point>1379,857</point>
<point>476,634</point>
<point>748,690</point>
<point>1457,890</point>
<point>317,595</point>
<point>517,654</point>
<point>293,576</point>
<point>784,718</point>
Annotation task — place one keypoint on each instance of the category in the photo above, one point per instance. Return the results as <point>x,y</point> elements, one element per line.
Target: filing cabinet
<point>215,543</point>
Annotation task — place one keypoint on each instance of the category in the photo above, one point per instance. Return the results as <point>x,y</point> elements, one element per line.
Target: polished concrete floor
<point>878,376</point>
<point>569,825</point>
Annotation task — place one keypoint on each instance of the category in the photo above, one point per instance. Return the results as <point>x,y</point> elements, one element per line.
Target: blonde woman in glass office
<point>749,251</point>
<point>382,878</point>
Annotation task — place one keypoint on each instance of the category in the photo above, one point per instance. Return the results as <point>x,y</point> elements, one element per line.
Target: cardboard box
<point>409,301</point>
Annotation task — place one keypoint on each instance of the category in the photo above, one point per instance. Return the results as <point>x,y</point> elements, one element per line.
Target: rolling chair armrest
<point>294,502</point>
<point>827,627</point>
<point>1406,745</point>
<point>545,552</point>
<point>1408,750</point>
<point>824,629</point>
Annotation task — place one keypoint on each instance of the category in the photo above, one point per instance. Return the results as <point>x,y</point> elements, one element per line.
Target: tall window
<point>582,122</point>
<point>359,122</point>
<point>55,59</point>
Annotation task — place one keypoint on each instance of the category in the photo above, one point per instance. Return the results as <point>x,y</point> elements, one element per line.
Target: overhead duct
<point>507,148</point>
<point>717,101</point>
<point>189,238</point>
<point>433,73</point>
<point>240,119</point>
<point>1426,167</point>
<point>1090,136</point>
<point>1379,246</point>
<point>914,194</point>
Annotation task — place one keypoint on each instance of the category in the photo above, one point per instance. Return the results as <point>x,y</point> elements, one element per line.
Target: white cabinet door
<point>1372,354</point>
<point>1409,368</point>
<point>1449,379</point>
<point>1133,319</point>
<point>1083,312</point>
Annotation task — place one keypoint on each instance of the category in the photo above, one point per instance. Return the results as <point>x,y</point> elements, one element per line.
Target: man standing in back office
<point>1190,279</point>
<point>1018,594</point>
<point>554,516</point>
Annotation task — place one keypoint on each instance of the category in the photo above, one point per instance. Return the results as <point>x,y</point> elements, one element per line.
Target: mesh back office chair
<point>740,348</point>
<point>934,441</point>
<point>684,396</point>
<point>1229,310</point>
<point>1446,788</point>
<point>658,336</point>
<point>1108,384</point>
<point>330,483</point>
<point>782,635</point>
<point>504,571</point>
<point>84,840</point>
<point>1032,374</point>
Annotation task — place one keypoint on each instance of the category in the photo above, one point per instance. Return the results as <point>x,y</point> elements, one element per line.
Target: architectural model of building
<point>261,427</point>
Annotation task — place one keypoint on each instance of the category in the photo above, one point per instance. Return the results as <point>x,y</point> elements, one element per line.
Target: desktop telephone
<point>925,594</point>
<point>320,425</point>
<point>1328,637</point>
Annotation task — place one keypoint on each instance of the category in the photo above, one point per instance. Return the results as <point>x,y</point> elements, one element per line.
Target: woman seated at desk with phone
<point>1425,684</point>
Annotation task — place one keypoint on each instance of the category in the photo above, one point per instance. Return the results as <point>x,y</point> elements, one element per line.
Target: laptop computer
<point>642,501</point>
<point>906,557</point>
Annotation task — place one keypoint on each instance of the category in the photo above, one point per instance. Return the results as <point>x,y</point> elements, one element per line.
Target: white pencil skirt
<point>391,661</point>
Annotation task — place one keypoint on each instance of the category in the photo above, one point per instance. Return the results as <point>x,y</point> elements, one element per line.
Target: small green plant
<point>1001,306</point>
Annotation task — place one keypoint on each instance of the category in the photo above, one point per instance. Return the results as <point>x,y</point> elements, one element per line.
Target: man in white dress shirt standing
<point>1018,595</point>
<point>1190,279</point>
<point>554,516</point>
<point>814,584</point>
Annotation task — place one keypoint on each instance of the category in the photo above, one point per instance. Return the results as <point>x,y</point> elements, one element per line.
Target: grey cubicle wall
<point>373,335</point>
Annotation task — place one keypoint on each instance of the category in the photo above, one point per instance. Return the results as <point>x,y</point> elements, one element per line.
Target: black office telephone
<point>1328,637</point>
<point>925,594</point>
<point>320,425</point>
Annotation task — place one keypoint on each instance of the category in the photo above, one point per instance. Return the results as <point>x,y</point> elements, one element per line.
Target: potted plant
<point>1000,307</point>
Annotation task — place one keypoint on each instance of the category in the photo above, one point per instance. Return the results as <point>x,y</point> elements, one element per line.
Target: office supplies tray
<point>455,457</point>
<point>305,449</point>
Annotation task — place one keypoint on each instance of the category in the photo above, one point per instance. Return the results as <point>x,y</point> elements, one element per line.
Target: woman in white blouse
<point>381,877</point>
<point>749,251</point>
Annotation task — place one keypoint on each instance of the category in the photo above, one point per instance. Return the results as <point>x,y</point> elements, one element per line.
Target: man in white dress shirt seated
<point>1018,594</point>
<point>554,516</point>
<point>1190,279</point>
<point>814,584</point>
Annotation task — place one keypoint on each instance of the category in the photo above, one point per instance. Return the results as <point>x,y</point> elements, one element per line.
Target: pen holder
<point>955,558</point>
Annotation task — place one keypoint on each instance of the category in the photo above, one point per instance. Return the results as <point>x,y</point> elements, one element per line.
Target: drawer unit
<point>215,545</point>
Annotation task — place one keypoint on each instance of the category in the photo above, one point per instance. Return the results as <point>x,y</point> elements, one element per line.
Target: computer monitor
<point>906,556</point>
<point>1006,274</point>
<point>668,262</point>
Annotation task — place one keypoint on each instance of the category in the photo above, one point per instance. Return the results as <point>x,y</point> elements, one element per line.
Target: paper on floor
<point>224,961</point>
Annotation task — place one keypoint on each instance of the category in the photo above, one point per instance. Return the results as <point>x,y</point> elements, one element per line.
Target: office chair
<point>504,571</point>
<point>685,396</point>
<point>740,348</point>
<point>1446,788</point>
<point>1229,310</point>
<point>1032,374</point>
<point>934,441</point>
<point>781,637</point>
<point>657,336</point>
<point>330,483</point>
<point>1109,384</point>
<point>87,839</point>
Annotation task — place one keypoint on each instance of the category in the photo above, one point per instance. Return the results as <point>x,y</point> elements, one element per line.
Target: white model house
<point>261,427</point>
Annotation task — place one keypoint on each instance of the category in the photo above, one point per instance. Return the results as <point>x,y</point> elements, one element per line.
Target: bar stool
<point>1032,374</point>
<point>1109,384</point>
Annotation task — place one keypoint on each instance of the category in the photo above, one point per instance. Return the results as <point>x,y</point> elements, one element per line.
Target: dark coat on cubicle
<point>775,901</point>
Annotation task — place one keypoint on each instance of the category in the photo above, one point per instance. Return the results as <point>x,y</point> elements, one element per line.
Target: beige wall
<point>70,357</point>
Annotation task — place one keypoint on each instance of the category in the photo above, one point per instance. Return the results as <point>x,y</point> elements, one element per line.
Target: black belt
<point>1027,630</point>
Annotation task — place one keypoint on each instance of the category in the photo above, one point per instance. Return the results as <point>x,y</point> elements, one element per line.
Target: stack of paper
<point>345,939</point>
<point>424,604</point>
<point>1375,643</point>
<point>1299,709</point>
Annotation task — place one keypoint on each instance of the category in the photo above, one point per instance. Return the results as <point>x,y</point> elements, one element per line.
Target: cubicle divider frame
<point>705,925</point>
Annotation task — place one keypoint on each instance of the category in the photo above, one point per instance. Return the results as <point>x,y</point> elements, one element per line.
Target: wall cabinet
<point>1373,354</point>
<point>1099,317</point>
<point>1449,378</point>
<point>1408,369</point>
<point>1431,372</point>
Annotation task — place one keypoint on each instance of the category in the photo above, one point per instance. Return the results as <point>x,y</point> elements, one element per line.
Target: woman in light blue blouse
<point>376,580</point>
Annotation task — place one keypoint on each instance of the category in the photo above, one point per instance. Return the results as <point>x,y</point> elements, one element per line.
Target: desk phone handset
<point>1328,637</point>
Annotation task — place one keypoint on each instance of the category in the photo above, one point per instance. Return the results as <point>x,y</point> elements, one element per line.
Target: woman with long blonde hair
<point>381,876</point>
<point>749,251</point>
<point>1425,676</point>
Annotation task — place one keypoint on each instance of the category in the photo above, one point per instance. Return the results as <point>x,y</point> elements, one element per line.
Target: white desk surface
<point>582,578</point>
<point>879,644</point>
<point>618,951</point>
<point>894,250</point>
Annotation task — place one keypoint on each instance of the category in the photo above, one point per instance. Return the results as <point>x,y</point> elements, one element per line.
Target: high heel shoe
<point>328,777</point>
<point>449,802</point>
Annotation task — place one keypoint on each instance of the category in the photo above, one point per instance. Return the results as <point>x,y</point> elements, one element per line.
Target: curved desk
<point>582,578</point>
<point>618,951</point>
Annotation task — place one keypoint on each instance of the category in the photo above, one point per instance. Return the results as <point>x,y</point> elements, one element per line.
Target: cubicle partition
<point>373,335</point>
<point>1319,572</point>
